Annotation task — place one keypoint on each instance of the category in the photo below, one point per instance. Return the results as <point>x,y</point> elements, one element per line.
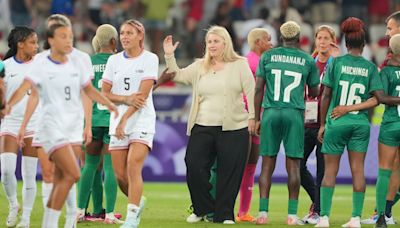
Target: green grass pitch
<point>167,203</point>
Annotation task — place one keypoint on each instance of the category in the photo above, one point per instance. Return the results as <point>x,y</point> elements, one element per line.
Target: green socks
<point>326,200</point>
<point>292,207</point>
<point>264,204</point>
<point>97,192</point>
<point>110,183</point>
<point>382,185</point>
<point>358,203</point>
<point>86,180</point>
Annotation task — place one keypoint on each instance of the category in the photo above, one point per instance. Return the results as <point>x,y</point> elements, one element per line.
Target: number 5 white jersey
<point>125,75</point>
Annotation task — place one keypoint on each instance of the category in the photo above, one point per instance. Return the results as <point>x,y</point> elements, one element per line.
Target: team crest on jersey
<point>74,75</point>
<point>139,71</point>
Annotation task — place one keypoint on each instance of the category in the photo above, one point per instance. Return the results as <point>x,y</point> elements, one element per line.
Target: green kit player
<point>104,43</point>
<point>284,72</point>
<point>389,134</point>
<point>349,80</point>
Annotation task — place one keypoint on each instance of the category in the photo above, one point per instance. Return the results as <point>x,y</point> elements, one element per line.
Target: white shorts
<point>138,137</point>
<point>53,139</point>
<point>10,126</point>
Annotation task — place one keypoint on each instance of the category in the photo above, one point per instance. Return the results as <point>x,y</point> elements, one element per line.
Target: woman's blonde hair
<point>254,35</point>
<point>394,44</point>
<point>59,19</point>
<point>104,34</point>
<point>139,27</point>
<point>229,55</point>
<point>328,29</point>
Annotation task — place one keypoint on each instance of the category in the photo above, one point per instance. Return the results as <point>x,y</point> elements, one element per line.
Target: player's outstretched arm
<point>31,105</point>
<point>93,94</point>
<point>18,95</point>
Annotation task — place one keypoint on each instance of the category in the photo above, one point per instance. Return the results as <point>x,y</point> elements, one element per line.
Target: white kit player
<point>23,43</point>
<point>59,80</point>
<point>128,80</point>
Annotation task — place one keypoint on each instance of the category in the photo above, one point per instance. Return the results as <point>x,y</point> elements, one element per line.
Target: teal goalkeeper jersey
<point>390,77</point>
<point>286,71</point>
<point>101,115</point>
<point>352,80</point>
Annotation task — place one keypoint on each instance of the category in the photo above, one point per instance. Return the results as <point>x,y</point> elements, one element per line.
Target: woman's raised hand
<point>169,46</point>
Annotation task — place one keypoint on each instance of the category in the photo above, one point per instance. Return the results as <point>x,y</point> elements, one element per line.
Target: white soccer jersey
<point>59,86</point>
<point>125,75</point>
<point>15,73</point>
<point>85,64</point>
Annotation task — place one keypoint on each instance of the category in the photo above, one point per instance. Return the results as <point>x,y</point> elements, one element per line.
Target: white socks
<point>71,207</point>
<point>132,212</point>
<point>46,191</point>
<point>8,166</point>
<point>28,170</point>
<point>50,218</point>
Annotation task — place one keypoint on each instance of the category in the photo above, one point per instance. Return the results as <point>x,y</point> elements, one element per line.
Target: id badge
<point>311,112</point>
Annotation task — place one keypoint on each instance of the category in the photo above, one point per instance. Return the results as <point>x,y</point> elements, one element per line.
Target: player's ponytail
<point>17,34</point>
<point>354,34</point>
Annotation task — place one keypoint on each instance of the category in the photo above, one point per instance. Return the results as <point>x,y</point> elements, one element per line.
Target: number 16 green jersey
<point>352,79</point>
<point>286,71</point>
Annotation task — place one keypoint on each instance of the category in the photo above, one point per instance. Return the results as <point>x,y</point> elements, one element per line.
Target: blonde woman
<point>218,125</point>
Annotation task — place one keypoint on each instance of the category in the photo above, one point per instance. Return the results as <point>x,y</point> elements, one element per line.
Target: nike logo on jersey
<point>13,75</point>
<point>139,71</point>
<point>74,75</point>
<point>51,77</point>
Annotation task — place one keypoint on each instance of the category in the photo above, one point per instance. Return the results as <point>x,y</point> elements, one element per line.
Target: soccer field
<point>167,203</point>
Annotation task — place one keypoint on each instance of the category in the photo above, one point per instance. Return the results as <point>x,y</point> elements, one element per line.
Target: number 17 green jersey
<point>390,76</point>
<point>352,80</point>
<point>286,71</point>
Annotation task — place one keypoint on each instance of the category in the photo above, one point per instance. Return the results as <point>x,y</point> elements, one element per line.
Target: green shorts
<point>285,125</point>
<point>101,134</point>
<point>389,134</point>
<point>355,137</point>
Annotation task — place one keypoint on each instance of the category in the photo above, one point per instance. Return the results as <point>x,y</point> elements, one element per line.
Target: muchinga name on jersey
<point>358,71</point>
<point>288,59</point>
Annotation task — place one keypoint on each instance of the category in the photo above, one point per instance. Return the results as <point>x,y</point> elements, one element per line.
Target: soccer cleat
<point>371,220</point>
<point>111,219</point>
<point>293,220</point>
<point>245,218</point>
<point>23,224</point>
<point>323,222</point>
<point>390,220</point>
<point>193,218</point>
<point>130,223</point>
<point>381,222</point>
<point>228,222</point>
<point>141,207</point>
<point>12,217</point>
<point>355,222</point>
<point>81,216</point>
<point>262,218</point>
<point>311,219</point>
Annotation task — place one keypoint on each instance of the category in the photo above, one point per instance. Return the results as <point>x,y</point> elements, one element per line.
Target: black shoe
<point>381,222</point>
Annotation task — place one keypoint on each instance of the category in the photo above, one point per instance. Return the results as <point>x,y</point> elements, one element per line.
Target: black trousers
<point>307,181</point>
<point>230,149</point>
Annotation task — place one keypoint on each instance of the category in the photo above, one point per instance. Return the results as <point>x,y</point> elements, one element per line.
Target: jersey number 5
<point>277,85</point>
<point>349,97</point>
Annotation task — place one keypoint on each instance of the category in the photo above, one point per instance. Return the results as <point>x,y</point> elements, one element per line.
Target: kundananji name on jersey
<point>288,59</point>
<point>358,71</point>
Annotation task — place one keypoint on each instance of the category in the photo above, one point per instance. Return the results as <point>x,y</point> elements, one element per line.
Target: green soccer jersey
<point>101,115</point>
<point>352,80</point>
<point>286,71</point>
<point>390,77</point>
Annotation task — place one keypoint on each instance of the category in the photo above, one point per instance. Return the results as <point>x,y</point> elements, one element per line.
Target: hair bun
<point>352,25</point>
